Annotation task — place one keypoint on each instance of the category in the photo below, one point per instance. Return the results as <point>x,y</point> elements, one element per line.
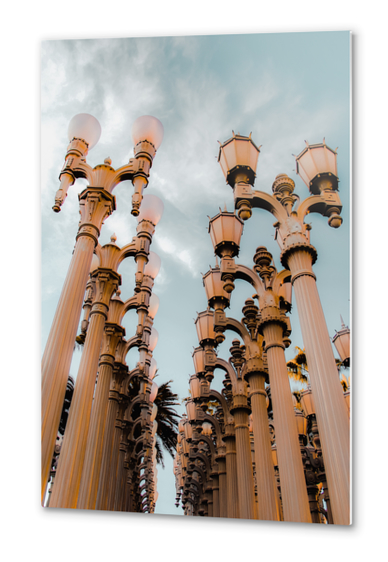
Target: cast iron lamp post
<point>240,410</point>
<point>254,373</point>
<point>316,459</point>
<point>317,166</point>
<point>274,295</point>
<point>79,440</point>
<point>96,203</point>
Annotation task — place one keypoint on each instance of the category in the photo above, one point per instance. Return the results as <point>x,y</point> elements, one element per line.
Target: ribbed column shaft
<point>216,495</point>
<point>209,497</point>
<point>265,475</point>
<point>106,461</point>
<point>119,481</point>
<point>221,461</point>
<point>331,412</point>
<point>113,476</point>
<point>292,480</point>
<point>93,454</point>
<point>123,493</point>
<point>231,478</point>
<point>68,478</point>
<point>246,491</point>
<point>59,348</point>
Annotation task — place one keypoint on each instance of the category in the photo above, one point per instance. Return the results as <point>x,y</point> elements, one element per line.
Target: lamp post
<point>240,408</point>
<point>254,373</point>
<point>317,166</point>
<point>96,203</point>
<point>114,333</point>
<point>119,374</point>
<point>315,457</point>
<point>225,230</point>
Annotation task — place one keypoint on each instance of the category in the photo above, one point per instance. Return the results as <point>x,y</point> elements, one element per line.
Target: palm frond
<point>168,419</point>
<point>297,367</point>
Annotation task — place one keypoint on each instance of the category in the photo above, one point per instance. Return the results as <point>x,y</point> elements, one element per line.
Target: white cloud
<point>180,254</point>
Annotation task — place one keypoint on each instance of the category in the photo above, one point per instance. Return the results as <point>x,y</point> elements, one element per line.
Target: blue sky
<point>284,88</point>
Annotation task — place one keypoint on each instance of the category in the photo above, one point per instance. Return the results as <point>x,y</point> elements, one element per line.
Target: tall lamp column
<point>317,166</point>
<point>96,203</point>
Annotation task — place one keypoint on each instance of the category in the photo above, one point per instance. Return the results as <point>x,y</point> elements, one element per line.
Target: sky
<point>284,88</point>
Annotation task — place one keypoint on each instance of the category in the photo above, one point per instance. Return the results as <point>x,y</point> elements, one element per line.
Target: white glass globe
<point>153,368</point>
<point>153,266</point>
<point>153,306</point>
<point>153,339</point>
<point>151,209</point>
<point>86,127</point>
<point>148,128</point>
<point>154,392</point>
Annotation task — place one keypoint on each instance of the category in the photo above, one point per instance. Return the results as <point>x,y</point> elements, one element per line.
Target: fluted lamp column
<point>96,204</point>
<point>65,493</point>
<point>120,372</point>
<point>317,166</point>
<point>113,333</point>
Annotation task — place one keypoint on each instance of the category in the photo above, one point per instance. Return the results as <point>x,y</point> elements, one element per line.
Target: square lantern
<point>225,232</point>
<point>195,387</point>
<point>307,402</point>
<point>199,360</point>
<point>205,327</point>
<point>342,344</point>
<point>191,410</point>
<point>317,166</point>
<point>214,288</point>
<point>238,159</point>
<point>301,422</point>
<point>285,294</point>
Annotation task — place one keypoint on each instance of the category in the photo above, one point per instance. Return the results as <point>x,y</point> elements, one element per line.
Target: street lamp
<point>238,159</point>
<point>316,165</point>
<point>341,341</point>
<point>96,203</point>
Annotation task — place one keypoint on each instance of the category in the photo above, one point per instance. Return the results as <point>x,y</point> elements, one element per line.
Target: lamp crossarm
<point>239,329</point>
<point>130,304</point>
<point>247,274</point>
<point>129,250</point>
<point>279,279</point>
<point>133,374</point>
<point>262,200</point>
<point>225,366</point>
<point>132,342</point>
<point>127,172</point>
<point>221,399</point>
<point>202,457</point>
<point>206,439</point>
<point>321,204</point>
<point>81,170</point>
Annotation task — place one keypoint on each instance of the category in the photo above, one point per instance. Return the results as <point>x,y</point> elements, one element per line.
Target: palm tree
<point>298,371</point>
<point>297,368</point>
<point>168,419</point>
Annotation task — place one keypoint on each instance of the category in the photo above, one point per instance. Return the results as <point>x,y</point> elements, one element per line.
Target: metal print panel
<point>196,208</point>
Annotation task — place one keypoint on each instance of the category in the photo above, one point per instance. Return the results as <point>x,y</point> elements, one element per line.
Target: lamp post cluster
<point>216,474</point>
<point>107,458</point>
